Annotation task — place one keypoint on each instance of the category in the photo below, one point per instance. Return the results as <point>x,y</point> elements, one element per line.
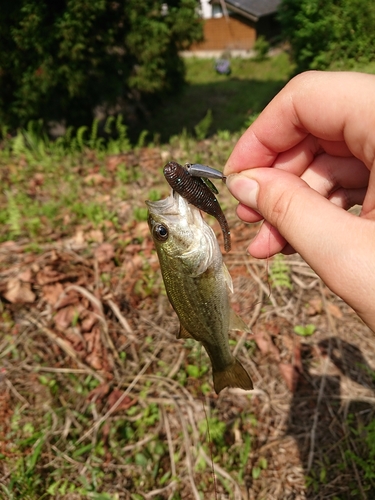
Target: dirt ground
<point>92,307</point>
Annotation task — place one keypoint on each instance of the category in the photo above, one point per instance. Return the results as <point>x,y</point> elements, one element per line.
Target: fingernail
<point>244,189</point>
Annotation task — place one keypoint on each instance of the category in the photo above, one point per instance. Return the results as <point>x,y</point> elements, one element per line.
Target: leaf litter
<point>89,356</point>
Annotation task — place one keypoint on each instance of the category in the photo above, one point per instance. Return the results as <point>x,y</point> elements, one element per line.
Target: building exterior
<point>232,25</point>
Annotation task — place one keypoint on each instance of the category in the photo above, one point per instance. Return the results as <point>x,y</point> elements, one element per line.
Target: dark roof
<point>253,9</point>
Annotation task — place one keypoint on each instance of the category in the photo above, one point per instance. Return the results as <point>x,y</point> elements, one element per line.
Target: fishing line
<point>211,453</point>
<point>210,443</point>
<point>267,263</point>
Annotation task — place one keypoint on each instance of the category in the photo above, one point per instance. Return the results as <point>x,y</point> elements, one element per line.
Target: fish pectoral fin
<point>234,375</point>
<point>237,323</point>
<point>183,333</point>
<point>228,278</point>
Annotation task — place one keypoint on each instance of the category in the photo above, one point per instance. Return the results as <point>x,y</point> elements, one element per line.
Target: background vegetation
<point>336,33</point>
<point>61,60</point>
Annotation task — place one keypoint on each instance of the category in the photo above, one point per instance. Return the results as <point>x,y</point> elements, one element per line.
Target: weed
<point>142,139</point>
<point>304,330</point>
<point>140,213</point>
<point>216,428</point>
<point>261,48</point>
<point>126,174</point>
<point>244,456</point>
<point>96,213</point>
<point>149,284</point>
<point>279,273</point>
<point>13,215</point>
<point>366,462</point>
<point>154,195</point>
<point>201,129</point>
<point>262,465</point>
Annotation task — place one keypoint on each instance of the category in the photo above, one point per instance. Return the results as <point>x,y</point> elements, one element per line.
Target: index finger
<point>334,107</point>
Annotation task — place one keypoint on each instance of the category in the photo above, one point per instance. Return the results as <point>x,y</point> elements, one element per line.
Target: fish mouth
<point>173,206</point>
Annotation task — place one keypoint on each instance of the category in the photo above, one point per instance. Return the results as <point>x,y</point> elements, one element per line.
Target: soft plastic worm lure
<point>195,190</point>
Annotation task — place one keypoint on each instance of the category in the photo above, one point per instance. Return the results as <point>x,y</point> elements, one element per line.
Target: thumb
<point>332,241</point>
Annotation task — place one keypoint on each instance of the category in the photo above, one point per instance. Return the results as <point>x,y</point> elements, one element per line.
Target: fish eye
<point>161,232</point>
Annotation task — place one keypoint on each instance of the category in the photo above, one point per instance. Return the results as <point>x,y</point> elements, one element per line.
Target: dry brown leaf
<point>315,306</point>
<point>143,229</point>
<point>93,340</point>
<point>7,245</point>
<point>88,321</point>
<point>74,337</point>
<point>18,292</point>
<point>113,161</point>
<point>65,316</point>
<point>104,253</point>
<point>99,392</point>
<point>95,235</point>
<point>334,310</point>
<point>26,276</point>
<point>290,375</point>
<point>94,348</point>
<point>265,345</point>
<point>68,299</point>
<point>94,360</point>
<point>48,275</point>
<point>149,158</point>
<point>79,238</point>
<point>126,403</point>
<point>51,293</point>
<point>96,179</point>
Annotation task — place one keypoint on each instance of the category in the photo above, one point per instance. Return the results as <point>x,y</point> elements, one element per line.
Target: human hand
<point>318,134</point>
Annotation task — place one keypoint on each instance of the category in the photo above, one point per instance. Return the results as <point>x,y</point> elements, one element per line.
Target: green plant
<point>257,469</point>
<point>13,215</point>
<point>261,48</point>
<point>304,330</point>
<point>61,61</point>
<point>279,273</point>
<point>140,213</point>
<point>215,428</point>
<point>154,195</point>
<point>365,461</point>
<point>202,128</point>
<point>333,32</point>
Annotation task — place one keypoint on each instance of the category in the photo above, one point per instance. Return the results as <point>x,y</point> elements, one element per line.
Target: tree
<point>328,32</point>
<point>61,59</point>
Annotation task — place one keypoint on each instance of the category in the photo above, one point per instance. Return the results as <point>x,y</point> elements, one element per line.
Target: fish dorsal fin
<point>228,278</point>
<point>183,333</point>
<point>237,323</point>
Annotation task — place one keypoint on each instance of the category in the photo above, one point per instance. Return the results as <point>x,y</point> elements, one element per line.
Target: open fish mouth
<point>174,208</point>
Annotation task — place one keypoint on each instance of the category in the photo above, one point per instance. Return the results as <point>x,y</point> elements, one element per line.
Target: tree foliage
<point>61,59</point>
<point>329,32</point>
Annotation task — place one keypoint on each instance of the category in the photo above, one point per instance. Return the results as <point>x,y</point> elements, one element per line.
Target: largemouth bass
<point>198,193</point>
<point>197,284</point>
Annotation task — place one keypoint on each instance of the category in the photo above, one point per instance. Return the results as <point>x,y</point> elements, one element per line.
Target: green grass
<point>231,99</point>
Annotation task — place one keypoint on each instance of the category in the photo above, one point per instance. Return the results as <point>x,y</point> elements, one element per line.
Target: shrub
<point>61,59</point>
<point>326,32</point>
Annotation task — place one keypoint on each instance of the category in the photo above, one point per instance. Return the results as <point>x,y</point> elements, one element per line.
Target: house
<point>234,25</point>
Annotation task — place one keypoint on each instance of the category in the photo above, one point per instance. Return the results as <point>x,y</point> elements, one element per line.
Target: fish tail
<point>234,375</point>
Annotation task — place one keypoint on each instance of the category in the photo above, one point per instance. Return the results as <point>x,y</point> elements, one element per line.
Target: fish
<point>197,193</point>
<point>198,284</point>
